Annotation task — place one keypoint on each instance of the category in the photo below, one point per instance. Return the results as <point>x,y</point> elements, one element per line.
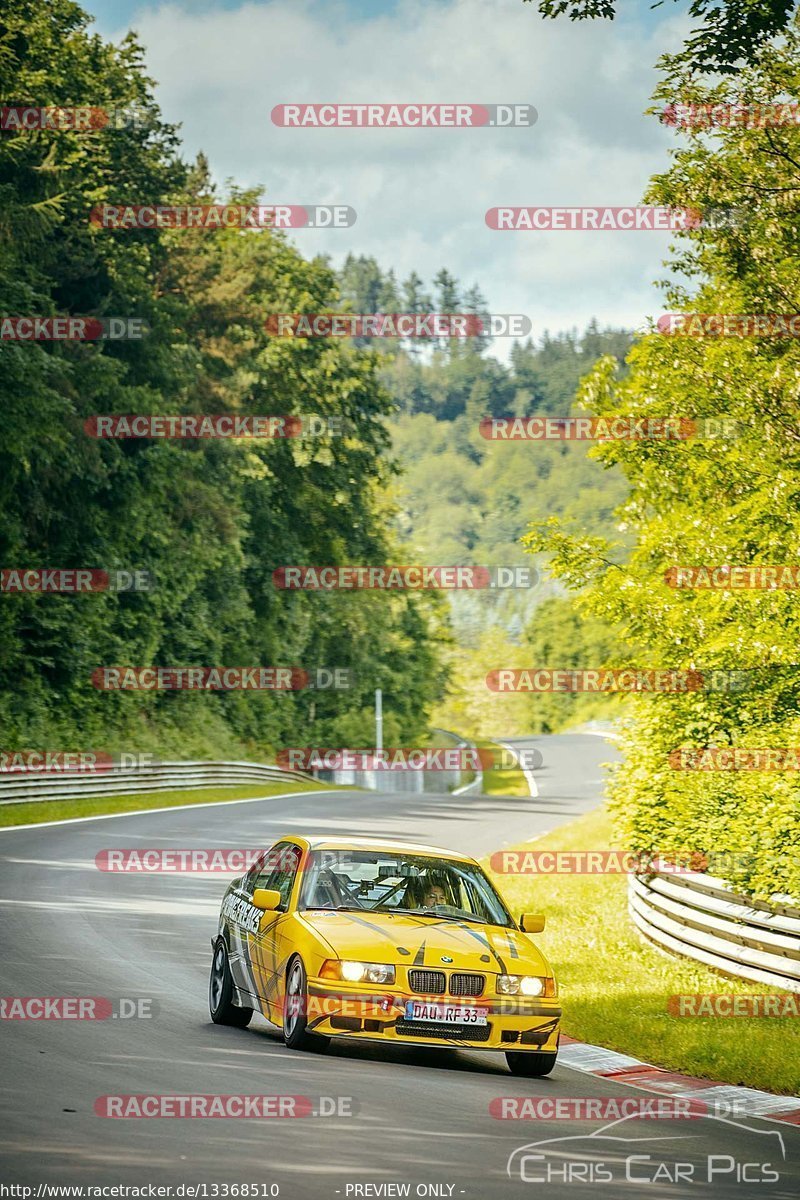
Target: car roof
<point>388,844</point>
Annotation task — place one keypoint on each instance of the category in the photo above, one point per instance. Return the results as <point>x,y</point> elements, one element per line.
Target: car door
<point>239,915</point>
<point>277,872</point>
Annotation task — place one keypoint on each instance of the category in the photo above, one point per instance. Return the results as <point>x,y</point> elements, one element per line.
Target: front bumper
<point>512,1023</point>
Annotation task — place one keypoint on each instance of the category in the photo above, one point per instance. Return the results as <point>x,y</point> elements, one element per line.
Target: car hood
<point>406,939</point>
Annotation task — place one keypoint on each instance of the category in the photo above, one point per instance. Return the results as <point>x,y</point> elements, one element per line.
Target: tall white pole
<point>378,719</point>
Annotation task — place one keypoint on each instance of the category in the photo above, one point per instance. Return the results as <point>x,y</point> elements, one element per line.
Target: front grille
<point>464,1033</point>
<point>466,985</point>
<point>429,983</point>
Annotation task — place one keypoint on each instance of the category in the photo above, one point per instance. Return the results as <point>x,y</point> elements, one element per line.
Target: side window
<point>277,870</point>
<point>472,901</point>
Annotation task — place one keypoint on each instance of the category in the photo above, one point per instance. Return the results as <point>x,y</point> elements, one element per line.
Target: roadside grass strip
<point>615,987</point>
<point>39,811</point>
<point>499,780</point>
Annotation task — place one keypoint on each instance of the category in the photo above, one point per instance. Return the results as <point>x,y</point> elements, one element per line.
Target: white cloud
<point>421,195</point>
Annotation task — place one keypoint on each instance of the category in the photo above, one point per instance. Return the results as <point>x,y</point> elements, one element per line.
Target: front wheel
<point>534,1063</point>
<point>220,992</point>
<point>295,1011</point>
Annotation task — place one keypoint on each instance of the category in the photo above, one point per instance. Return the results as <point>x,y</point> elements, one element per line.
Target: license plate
<point>445,1014</point>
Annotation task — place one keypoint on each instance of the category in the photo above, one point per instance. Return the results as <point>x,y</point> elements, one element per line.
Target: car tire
<point>220,992</point>
<point>295,1010</point>
<point>534,1063</point>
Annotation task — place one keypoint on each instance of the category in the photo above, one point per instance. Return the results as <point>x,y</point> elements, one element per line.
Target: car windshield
<point>383,881</point>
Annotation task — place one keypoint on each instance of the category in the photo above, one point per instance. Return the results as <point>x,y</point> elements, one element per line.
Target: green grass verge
<point>60,810</point>
<point>499,781</point>
<point>615,987</point>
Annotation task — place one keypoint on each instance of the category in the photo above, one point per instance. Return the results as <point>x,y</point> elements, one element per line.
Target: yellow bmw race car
<point>384,941</point>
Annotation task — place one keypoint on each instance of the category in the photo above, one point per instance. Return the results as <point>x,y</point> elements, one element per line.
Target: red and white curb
<point>621,1068</point>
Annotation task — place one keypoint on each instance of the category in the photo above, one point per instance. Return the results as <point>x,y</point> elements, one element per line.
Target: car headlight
<point>508,985</point>
<point>358,972</point>
<point>526,985</point>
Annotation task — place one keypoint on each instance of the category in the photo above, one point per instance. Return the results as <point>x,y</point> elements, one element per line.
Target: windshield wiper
<point>336,908</point>
<point>429,912</point>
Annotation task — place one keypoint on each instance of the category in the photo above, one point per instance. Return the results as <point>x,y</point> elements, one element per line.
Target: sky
<point>421,195</point>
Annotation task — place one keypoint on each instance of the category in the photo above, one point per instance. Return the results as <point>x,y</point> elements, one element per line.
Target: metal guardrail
<point>147,777</point>
<point>703,918</point>
<point>21,788</point>
<point>406,779</point>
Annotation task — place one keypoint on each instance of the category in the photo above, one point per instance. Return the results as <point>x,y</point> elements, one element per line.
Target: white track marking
<point>526,771</point>
<point>137,812</point>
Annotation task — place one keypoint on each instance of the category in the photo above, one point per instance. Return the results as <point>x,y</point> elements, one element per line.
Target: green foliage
<point>469,706</point>
<point>210,520</point>
<point>561,637</point>
<point>732,31</point>
<point>95,806</point>
<point>733,499</point>
<point>615,988</point>
<point>464,499</point>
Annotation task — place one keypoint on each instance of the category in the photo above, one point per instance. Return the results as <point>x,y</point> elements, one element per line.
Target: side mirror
<point>266,899</point>
<point>531,922</point>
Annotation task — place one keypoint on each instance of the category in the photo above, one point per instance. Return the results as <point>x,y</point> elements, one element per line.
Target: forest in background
<point>209,521</point>
<point>464,499</point>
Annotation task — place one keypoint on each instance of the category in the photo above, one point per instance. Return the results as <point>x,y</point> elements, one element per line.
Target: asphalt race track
<point>421,1118</point>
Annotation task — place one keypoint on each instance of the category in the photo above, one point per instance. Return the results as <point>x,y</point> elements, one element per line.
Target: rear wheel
<point>295,1011</point>
<point>532,1064</point>
<point>220,992</point>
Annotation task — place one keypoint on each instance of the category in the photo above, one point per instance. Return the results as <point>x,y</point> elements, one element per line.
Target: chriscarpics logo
<point>625,1151</point>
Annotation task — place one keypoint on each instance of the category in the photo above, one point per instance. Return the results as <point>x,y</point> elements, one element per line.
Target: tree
<point>730,495</point>
<point>208,519</point>
<point>732,31</point>
<point>415,298</point>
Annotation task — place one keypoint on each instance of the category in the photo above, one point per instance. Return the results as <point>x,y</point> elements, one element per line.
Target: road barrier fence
<point>701,917</point>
